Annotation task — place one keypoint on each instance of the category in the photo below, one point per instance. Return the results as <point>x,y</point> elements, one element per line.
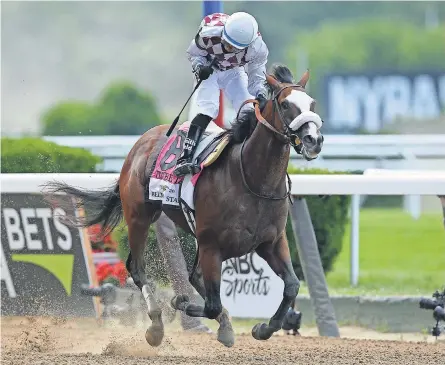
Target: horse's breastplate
<point>225,61</point>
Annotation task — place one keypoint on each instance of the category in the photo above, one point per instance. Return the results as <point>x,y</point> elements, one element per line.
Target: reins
<point>283,137</point>
<point>243,176</point>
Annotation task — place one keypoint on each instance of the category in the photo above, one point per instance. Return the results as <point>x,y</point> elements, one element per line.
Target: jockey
<point>239,70</point>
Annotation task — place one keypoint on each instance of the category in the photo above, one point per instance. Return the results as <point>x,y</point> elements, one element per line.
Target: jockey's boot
<point>184,165</point>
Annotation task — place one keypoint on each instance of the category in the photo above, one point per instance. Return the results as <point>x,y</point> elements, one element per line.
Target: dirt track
<point>52,341</point>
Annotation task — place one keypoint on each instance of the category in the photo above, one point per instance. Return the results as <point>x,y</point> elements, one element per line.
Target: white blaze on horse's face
<point>307,124</point>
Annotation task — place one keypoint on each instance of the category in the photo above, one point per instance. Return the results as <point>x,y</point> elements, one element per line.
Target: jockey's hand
<point>262,100</point>
<point>204,72</point>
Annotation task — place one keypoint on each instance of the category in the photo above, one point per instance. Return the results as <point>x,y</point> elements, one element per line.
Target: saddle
<point>177,192</point>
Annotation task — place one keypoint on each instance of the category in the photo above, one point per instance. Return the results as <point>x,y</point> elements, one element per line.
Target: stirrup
<point>183,168</point>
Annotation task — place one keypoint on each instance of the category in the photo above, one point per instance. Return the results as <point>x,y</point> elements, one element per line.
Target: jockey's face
<point>229,48</point>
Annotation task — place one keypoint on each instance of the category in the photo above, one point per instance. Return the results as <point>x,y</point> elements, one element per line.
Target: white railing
<point>340,152</point>
<point>373,182</point>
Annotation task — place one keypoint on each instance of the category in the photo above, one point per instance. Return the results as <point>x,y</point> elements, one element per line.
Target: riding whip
<point>173,125</point>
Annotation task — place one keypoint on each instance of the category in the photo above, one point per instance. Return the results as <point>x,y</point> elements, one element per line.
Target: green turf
<point>398,255</point>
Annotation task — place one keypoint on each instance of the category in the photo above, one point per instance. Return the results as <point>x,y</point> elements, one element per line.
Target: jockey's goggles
<point>229,48</point>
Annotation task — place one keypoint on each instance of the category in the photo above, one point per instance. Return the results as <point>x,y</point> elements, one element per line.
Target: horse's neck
<point>265,161</point>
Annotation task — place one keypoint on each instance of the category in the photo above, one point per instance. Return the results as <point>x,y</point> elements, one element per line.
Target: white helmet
<point>240,30</point>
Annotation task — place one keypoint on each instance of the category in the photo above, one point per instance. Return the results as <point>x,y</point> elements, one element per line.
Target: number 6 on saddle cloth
<point>176,191</point>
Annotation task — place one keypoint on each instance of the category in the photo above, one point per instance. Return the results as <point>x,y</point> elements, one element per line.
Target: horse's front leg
<point>211,263</point>
<point>278,258</point>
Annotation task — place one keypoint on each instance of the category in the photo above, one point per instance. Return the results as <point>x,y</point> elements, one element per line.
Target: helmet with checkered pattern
<point>240,30</point>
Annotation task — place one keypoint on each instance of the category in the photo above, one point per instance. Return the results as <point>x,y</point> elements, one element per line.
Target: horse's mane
<point>244,126</point>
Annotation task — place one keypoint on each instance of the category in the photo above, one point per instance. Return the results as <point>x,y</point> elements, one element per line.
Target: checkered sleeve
<point>256,67</point>
<point>196,52</point>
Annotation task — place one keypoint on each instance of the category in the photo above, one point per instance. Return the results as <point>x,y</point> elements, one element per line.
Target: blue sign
<point>369,101</point>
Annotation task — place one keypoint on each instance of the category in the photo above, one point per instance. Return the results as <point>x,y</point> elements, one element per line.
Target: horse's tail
<point>102,207</point>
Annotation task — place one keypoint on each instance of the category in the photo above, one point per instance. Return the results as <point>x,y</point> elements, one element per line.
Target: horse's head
<point>292,112</point>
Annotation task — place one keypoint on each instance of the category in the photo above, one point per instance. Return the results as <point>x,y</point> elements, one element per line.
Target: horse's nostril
<point>309,139</point>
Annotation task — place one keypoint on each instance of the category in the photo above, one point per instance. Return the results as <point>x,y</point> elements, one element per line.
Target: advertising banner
<point>371,100</point>
<point>43,260</point>
<point>249,287</point>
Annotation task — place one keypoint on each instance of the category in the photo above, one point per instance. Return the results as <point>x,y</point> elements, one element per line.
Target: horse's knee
<point>291,289</point>
<point>213,310</point>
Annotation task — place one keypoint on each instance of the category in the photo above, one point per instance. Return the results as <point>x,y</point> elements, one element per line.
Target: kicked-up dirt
<point>38,341</point>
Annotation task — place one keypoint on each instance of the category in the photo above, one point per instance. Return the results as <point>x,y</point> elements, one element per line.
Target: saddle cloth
<point>175,191</point>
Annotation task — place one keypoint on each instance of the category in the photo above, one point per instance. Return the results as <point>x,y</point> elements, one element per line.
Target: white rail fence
<point>340,152</point>
<point>373,182</point>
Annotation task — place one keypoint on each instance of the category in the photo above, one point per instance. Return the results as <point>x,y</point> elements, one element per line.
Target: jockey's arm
<point>196,52</point>
<point>256,67</point>
<point>196,55</point>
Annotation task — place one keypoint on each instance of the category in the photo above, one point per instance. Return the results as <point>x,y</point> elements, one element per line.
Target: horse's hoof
<point>261,332</point>
<point>226,336</point>
<point>177,300</point>
<point>154,336</point>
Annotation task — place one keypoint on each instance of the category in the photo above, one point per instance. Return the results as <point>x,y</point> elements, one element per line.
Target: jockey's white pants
<point>232,82</point>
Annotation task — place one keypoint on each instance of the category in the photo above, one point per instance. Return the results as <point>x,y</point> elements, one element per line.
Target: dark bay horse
<point>241,202</point>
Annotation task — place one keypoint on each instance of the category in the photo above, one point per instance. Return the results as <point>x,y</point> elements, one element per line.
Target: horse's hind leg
<point>211,272</point>
<point>139,218</point>
<point>278,258</point>
<point>225,335</point>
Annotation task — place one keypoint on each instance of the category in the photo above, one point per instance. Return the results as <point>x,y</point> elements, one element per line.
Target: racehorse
<point>241,202</point>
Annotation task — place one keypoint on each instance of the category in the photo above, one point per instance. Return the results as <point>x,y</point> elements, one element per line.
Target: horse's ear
<point>304,79</point>
<point>272,81</point>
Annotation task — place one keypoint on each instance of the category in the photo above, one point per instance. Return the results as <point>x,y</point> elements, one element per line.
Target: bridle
<point>288,137</point>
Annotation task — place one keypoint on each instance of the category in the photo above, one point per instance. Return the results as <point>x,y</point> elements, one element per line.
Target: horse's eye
<point>285,105</point>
